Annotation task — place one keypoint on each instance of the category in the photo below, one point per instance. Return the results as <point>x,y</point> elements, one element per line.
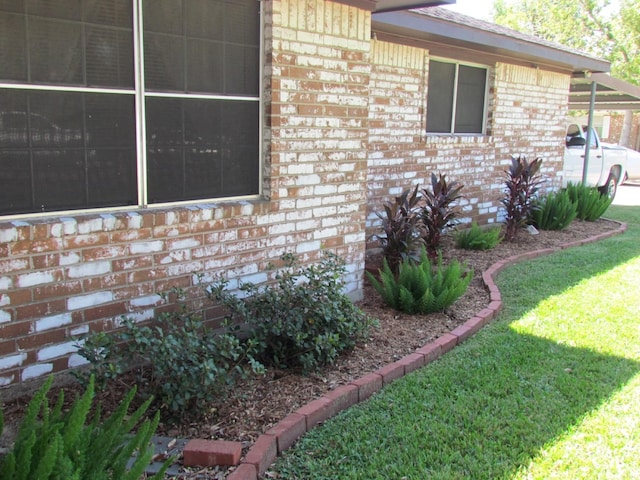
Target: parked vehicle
<point>607,166</point>
<point>633,165</point>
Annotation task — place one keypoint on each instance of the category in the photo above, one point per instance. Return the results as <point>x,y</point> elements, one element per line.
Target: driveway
<point>628,194</point>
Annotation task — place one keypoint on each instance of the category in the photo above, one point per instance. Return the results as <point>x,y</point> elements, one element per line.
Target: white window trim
<point>485,105</point>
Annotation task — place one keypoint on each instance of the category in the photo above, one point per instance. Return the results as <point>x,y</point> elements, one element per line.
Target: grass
<point>549,390</point>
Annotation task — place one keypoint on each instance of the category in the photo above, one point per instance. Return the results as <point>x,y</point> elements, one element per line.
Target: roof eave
<point>426,28</point>
<point>394,5</point>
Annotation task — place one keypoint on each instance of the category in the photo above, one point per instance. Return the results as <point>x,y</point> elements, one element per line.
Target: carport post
<point>587,147</point>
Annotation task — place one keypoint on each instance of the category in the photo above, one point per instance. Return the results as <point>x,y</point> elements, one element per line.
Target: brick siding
<point>343,131</point>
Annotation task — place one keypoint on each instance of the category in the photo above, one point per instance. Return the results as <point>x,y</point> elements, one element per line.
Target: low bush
<point>422,287</point>
<point>304,319</point>
<point>400,238</point>
<point>590,203</point>
<point>439,211</point>
<point>554,211</point>
<point>184,363</point>
<point>477,238</point>
<point>55,445</point>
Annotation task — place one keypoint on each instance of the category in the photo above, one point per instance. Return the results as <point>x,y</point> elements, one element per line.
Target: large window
<point>456,98</point>
<point>109,103</point>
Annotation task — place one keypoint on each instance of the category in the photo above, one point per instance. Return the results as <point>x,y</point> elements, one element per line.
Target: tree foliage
<point>604,28</point>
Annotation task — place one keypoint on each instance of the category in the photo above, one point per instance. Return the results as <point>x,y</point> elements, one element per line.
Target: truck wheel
<point>611,187</point>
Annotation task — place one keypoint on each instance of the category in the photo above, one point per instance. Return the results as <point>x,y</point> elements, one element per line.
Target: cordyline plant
<point>522,184</point>
<point>400,239</point>
<point>439,211</point>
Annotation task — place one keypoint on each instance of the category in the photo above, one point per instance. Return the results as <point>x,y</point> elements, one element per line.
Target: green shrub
<point>304,319</point>
<point>477,238</point>
<point>439,211</point>
<point>188,363</point>
<point>421,287</point>
<point>590,203</point>
<point>522,184</point>
<point>554,211</point>
<point>52,444</point>
<point>400,238</point>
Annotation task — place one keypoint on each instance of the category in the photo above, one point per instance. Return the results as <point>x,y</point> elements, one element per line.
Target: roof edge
<point>442,26</point>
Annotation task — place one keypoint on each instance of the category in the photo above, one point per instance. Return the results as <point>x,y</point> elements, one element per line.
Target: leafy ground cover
<point>549,390</point>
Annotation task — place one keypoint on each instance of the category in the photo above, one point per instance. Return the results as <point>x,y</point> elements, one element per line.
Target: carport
<point>601,91</point>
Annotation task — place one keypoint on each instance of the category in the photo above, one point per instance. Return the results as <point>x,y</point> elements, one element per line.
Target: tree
<point>603,28</point>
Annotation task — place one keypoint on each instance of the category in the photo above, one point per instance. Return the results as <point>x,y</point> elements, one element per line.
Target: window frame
<point>140,95</point>
<point>485,103</point>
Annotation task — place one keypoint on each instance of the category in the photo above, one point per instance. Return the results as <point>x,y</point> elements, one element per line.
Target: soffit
<point>610,94</point>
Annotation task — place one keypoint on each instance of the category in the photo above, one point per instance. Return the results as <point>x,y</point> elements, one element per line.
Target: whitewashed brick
<point>37,370</point>
<point>8,235</point>
<point>76,360</point>
<point>142,316</point>
<point>5,300</point>
<point>54,321</point>
<point>79,330</point>
<point>11,361</point>
<point>146,301</point>
<point>90,226</point>
<point>89,269</point>
<point>5,283</point>
<point>4,381</point>
<point>35,278</point>
<point>5,316</point>
<point>305,247</point>
<point>90,300</point>
<point>146,247</point>
<point>55,351</point>
<point>69,226</point>
<point>69,259</point>
<point>134,220</point>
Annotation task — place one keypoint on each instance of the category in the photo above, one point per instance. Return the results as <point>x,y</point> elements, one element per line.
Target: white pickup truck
<point>607,166</point>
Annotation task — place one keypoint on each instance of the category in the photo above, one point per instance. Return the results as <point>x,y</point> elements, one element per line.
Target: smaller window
<point>456,98</point>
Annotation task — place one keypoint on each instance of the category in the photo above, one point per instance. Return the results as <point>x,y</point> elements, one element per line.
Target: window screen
<point>68,141</point>
<point>455,98</point>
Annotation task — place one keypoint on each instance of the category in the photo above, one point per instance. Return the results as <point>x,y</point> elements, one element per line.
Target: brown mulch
<point>256,405</point>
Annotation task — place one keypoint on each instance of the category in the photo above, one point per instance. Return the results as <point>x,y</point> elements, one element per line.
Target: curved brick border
<point>285,433</point>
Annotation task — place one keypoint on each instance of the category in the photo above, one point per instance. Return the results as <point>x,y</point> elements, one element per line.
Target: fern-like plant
<point>400,238</point>
<point>55,445</point>
<point>439,211</point>
<point>590,203</point>
<point>554,211</point>
<point>422,287</point>
<point>477,238</point>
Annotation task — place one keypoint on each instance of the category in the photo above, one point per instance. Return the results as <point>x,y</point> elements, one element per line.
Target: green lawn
<point>551,389</point>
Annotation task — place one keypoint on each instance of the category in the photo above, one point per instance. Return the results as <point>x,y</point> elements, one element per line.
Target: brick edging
<point>288,430</point>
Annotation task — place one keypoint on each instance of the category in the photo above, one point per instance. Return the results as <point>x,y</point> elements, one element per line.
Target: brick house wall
<point>344,122</point>
<point>616,121</point>
<point>526,109</point>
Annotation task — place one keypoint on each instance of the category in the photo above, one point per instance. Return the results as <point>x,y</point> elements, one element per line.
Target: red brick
<point>36,340</point>
<point>411,362</point>
<point>7,347</point>
<point>368,385</point>
<point>316,411</point>
<point>208,453</point>
<point>105,311</point>
<point>61,289</point>
<point>36,310</point>
<point>430,352</point>
<point>14,329</point>
<point>391,372</point>
<point>447,342</point>
<point>342,398</point>
<point>288,430</point>
<point>263,453</point>
<point>244,471</point>
<point>496,306</point>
